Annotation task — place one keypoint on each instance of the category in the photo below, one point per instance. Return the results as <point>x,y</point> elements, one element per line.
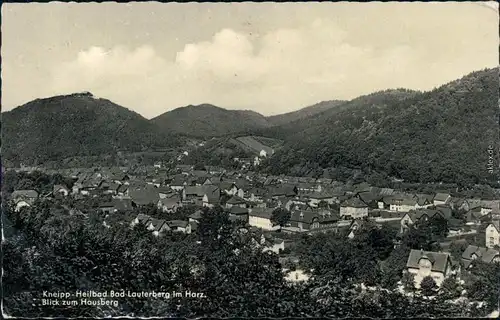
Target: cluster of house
<point>440,265</point>
<point>315,204</point>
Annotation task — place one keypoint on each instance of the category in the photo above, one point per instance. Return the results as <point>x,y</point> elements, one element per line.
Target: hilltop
<point>76,125</point>
<point>206,120</point>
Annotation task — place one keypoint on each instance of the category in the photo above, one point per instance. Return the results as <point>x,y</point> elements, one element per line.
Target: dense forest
<point>217,152</point>
<point>303,113</point>
<point>206,121</point>
<point>76,125</point>
<point>444,135</point>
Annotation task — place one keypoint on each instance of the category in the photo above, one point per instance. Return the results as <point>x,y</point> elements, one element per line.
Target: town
<point>250,160</point>
<point>279,211</point>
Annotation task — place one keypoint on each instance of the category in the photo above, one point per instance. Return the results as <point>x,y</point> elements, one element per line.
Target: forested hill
<point>76,125</point>
<point>209,121</point>
<point>440,135</point>
<point>281,119</point>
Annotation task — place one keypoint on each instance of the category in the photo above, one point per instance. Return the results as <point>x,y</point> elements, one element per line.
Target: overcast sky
<point>271,58</point>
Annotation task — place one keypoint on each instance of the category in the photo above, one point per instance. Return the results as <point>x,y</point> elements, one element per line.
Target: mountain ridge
<point>441,135</point>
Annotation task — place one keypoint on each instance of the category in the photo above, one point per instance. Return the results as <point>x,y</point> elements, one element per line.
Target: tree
<point>428,286</point>
<point>380,240</point>
<point>280,216</point>
<point>199,166</point>
<point>418,237</point>
<point>408,281</point>
<point>394,266</point>
<point>457,248</point>
<point>323,204</point>
<point>483,282</point>
<point>451,288</point>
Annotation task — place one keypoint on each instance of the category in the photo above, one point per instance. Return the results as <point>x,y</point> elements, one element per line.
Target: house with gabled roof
<point>493,234</point>
<point>459,203</point>
<point>23,198</point>
<point>155,225</point>
<point>282,191</point>
<point>60,190</point>
<point>261,218</point>
<point>421,264</point>
<point>142,197</point>
<point>141,218</point>
<point>255,194</point>
<point>424,201</point>
<point>415,216</point>
<point>184,168</point>
<point>402,204</point>
<point>178,183</point>
<point>353,208</point>
<point>170,203</point>
<point>304,220</point>
<point>211,197</point>
<point>441,198</point>
<point>316,197</point>
<point>356,225</point>
<point>371,199</point>
<point>106,206</point>
<point>485,206</point>
<point>179,226</point>
<point>486,255</point>
<point>444,210</point>
<point>277,245</point>
<point>235,201</point>
<point>196,194</point>
<point>476,218</point>
<point>196,216</point>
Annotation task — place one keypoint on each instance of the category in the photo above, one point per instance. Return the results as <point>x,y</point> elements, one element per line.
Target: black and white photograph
<point>250,160</point>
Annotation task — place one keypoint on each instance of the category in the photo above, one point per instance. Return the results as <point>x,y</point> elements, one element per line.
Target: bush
<point>408,281</point>
<point>451,288</point>
<point>428,286</point>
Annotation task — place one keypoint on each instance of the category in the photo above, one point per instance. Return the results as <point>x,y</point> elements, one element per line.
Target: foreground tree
<point>450,288</point>
<point>428,286</point>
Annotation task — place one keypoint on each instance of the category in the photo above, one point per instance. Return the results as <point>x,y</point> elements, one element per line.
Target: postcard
<point>250,160</point>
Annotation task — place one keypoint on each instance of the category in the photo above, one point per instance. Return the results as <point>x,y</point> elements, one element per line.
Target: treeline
<point>40,182</point>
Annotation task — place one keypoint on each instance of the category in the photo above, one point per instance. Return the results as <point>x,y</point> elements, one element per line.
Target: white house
<point>141,218</point>
<point>422,264</point>
<point>486,255</point>
<point>23,198</point>
<point>61,190</point>
<point>353,208</point>
<point>441,198</point>
<point>276,246</point>
<point>261,218</point>
<point>179,226</point>
<point>20,204</point>
<point>296,276</point>
<point>493,234</point>
<point>402,205</point>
